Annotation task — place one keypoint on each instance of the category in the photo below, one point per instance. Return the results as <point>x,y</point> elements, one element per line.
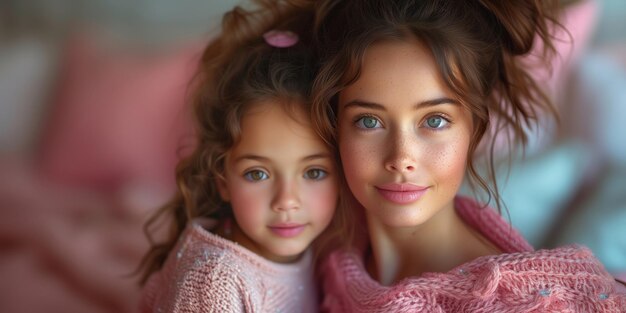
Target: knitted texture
<point>566,279</point>
<point>207,273</point>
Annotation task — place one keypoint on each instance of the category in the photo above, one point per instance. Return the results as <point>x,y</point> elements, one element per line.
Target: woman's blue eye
<point>436,122</point>
<point>315,174</point>
<point>368,122</point>
<point>255,175</point>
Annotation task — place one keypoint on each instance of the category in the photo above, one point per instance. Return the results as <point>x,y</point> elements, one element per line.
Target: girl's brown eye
<point>315,174</point>
<point>255,175</point>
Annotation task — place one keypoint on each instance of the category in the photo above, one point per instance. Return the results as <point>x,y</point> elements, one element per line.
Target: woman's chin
<point>401,216</point>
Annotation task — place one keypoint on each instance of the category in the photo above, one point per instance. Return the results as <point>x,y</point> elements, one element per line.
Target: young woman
<point>407,90</point>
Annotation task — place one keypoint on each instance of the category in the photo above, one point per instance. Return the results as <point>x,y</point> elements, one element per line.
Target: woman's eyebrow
<point>443,100</point>
<point>364,105</point>
<point>380,107</point>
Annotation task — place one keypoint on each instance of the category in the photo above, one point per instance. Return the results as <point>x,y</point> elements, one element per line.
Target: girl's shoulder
<point>198,250</point>
<point>206,268</point>
<point>196,270</point>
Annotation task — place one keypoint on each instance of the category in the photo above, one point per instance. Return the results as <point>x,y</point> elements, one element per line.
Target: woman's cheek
<point>359,159</point>
<point>450,161</point>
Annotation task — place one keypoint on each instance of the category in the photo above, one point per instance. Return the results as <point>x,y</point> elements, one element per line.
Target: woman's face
<point>403,139</point>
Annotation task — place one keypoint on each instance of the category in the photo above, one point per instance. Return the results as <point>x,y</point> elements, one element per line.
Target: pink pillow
<point>579,19</point>
<point>119,117</point>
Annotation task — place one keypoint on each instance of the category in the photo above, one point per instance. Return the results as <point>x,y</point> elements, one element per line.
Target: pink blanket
<point>63,249</point>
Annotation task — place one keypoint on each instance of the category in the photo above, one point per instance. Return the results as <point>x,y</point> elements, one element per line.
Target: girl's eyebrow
<point>252,157</point>
<point>380,107</point>
<point>259,158</point>
<point>316,156</point>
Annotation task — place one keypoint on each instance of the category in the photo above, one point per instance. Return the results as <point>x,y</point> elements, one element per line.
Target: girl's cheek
<point>323,198</point>
<point>245,195</point>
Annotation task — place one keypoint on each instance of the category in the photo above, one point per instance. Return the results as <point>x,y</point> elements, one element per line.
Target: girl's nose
<point>286,197</point>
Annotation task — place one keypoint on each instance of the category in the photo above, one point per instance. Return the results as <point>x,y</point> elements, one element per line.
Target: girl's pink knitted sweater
<point>207,273</point>
<point>567,279</point>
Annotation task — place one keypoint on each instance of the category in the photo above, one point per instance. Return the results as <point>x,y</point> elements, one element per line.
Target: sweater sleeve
<point>214,288</point>
<point>149,293</point>
<point>204,286</point>
<point>334,285</point>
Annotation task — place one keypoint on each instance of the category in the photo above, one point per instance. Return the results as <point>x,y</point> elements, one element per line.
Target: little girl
<point>407,90</point>
<point>260,187</point>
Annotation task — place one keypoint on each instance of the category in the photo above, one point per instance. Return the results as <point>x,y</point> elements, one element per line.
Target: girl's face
<point>403,139</point>
<point>281,182</point>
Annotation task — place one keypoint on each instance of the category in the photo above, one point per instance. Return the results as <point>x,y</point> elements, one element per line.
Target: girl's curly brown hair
<point>237,70</point>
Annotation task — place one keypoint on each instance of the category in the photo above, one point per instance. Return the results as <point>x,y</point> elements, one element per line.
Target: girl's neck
<point>438,245</point>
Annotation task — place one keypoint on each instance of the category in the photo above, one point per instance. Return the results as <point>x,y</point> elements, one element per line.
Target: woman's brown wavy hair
<point>476,44</point>
<point>237,70</point>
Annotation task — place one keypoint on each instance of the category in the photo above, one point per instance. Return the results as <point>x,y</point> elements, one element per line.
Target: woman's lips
<point>287,230</point>
<point>401,193</point>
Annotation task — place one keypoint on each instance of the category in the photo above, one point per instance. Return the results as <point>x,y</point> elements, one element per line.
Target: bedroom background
<point>93,120</point>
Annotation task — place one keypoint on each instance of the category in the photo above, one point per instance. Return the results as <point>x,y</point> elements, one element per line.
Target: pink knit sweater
<point>567,279</point>
<point>207,273</point>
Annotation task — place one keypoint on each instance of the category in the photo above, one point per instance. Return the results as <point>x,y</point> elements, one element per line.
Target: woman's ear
<point>220,181</point>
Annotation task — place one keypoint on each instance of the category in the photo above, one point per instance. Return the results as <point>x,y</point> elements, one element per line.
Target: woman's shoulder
<point>568,277</point>
<point>490,224</point>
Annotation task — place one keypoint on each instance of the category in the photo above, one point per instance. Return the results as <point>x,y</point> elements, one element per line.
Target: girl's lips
<point>287,230</point>
<point>401,193</point>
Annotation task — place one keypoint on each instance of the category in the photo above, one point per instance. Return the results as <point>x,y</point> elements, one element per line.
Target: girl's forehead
<point>275,119</point>
<point>273,135</point>
<point>293,108</point>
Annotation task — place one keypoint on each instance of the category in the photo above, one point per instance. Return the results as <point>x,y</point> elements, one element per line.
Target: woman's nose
<point>401,155</point>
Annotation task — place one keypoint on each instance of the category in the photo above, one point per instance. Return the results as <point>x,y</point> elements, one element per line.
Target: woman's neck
<point>438,245</point>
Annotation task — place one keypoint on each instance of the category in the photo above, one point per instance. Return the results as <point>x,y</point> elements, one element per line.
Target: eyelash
<point>358,119</point>
<point>248,175</point>
<point>444,117</point>
<point>322,173</point>
<point>363,116</point>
